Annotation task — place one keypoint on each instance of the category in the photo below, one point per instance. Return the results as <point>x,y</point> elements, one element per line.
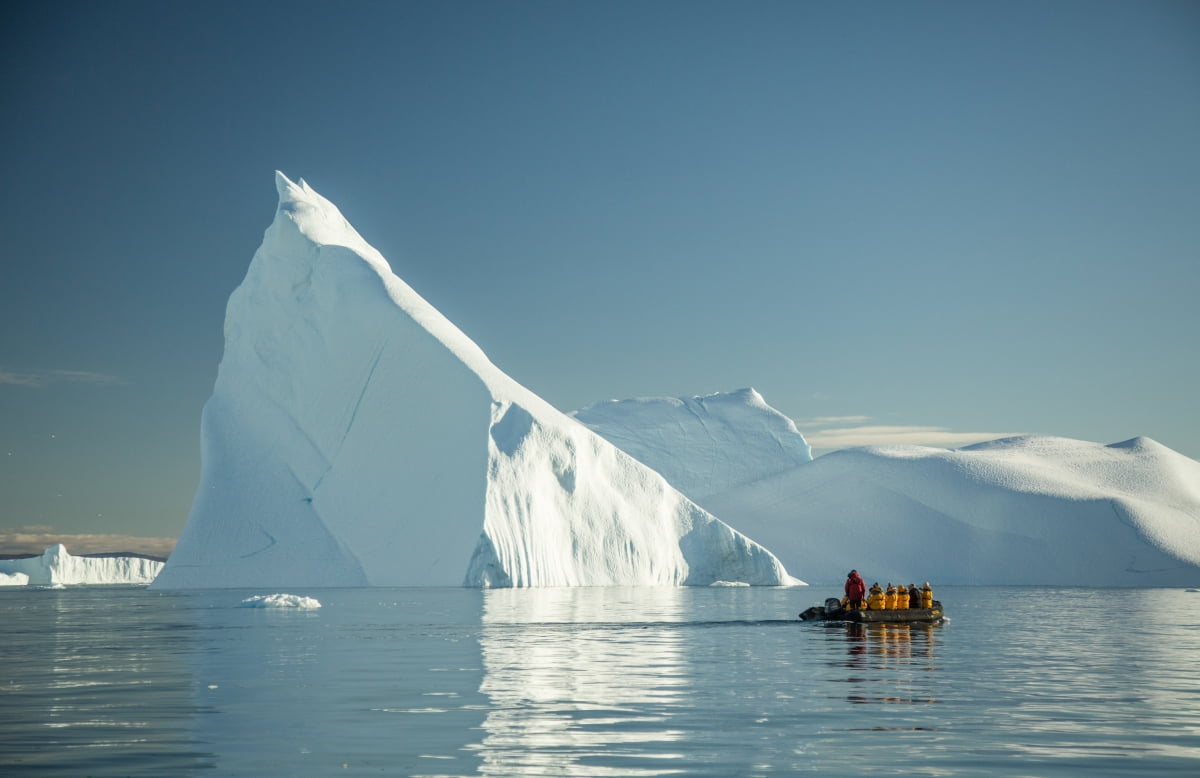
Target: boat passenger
<point>914,596</point>
<point>856,590</point>
<point>901,598</point>
<point>889,598</point>
<point>926,596</point>
<point>875,598</point>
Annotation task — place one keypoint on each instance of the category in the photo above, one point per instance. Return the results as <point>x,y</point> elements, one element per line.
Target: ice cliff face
<point>356,437</point>
<point>702,445</point>
<point>1029,510</point>
<point>57,567</point>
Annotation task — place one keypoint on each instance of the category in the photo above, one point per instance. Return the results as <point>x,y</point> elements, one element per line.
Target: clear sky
<point>936,222</point>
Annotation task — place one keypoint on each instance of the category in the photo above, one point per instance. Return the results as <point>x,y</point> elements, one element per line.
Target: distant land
<point>33,540</point>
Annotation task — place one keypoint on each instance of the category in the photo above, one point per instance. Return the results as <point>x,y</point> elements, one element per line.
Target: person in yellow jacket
<point>901,598</point>
<point>875,598</point>
<point>889,598</point>
<point>926,596</point>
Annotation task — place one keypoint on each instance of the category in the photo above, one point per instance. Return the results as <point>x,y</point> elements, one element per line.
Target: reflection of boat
<point>832,610</point>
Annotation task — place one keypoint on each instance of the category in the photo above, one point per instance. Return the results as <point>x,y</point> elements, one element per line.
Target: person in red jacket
<point>856,591</point>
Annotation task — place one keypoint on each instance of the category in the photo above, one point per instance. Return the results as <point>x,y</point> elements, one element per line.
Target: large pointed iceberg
<point>356,437</point>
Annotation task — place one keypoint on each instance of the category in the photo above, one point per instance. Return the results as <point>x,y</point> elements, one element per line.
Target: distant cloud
<point>38,379</point>
<point>836,432</point>
<point>820,421</point>
<point>35,539</point>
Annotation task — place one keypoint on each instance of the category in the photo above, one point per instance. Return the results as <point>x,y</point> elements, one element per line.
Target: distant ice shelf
<point>56,567</point>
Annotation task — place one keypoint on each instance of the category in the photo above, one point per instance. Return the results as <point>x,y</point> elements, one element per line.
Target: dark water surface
<point>596,682</point>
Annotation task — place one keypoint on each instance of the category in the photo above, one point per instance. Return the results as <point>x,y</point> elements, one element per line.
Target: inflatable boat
<point>832,611</point>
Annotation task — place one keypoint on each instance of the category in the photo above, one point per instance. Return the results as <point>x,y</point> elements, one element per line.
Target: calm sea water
<point>596,682</point>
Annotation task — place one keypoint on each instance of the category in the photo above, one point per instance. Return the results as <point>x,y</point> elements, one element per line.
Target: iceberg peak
<point>1140,443</point>
<point>287,190</point>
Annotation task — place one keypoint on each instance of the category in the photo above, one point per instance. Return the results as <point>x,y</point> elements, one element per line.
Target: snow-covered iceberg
<point>1026,510</point>
<point>356,437</point>
<point>702,445</point>
<point>56,567</point>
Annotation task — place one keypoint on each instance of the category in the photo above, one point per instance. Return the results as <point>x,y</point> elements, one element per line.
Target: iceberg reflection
<point>579,682</point>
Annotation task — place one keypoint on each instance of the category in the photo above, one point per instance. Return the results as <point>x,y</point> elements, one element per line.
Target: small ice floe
<point>280,601</point>
<point>1192,590</point>
<point>729,583</point>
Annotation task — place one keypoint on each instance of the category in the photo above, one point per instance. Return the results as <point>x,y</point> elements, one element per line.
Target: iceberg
<point>296,601</point>
<point>702,445</point>
<point>57,567</point>
<point>356,437</point>
<point>1026,510</point>
<point>1032,510</point>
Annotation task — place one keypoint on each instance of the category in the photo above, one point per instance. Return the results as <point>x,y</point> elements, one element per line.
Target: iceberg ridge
<point>702,445</point>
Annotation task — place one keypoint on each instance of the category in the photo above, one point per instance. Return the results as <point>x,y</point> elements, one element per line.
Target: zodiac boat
<point>832,611</point>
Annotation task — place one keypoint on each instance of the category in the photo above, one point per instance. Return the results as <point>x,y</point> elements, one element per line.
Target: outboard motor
<point>831,607</point>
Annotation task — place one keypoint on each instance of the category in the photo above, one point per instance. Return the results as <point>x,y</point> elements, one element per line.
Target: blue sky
<point>936,222</point>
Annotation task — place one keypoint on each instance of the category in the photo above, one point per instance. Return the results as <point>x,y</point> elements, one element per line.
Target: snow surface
<point>702,445</point>
<point>56,567</point>
<point>280,601</point>
<point>1026,510</point>
<point>356,437</point>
